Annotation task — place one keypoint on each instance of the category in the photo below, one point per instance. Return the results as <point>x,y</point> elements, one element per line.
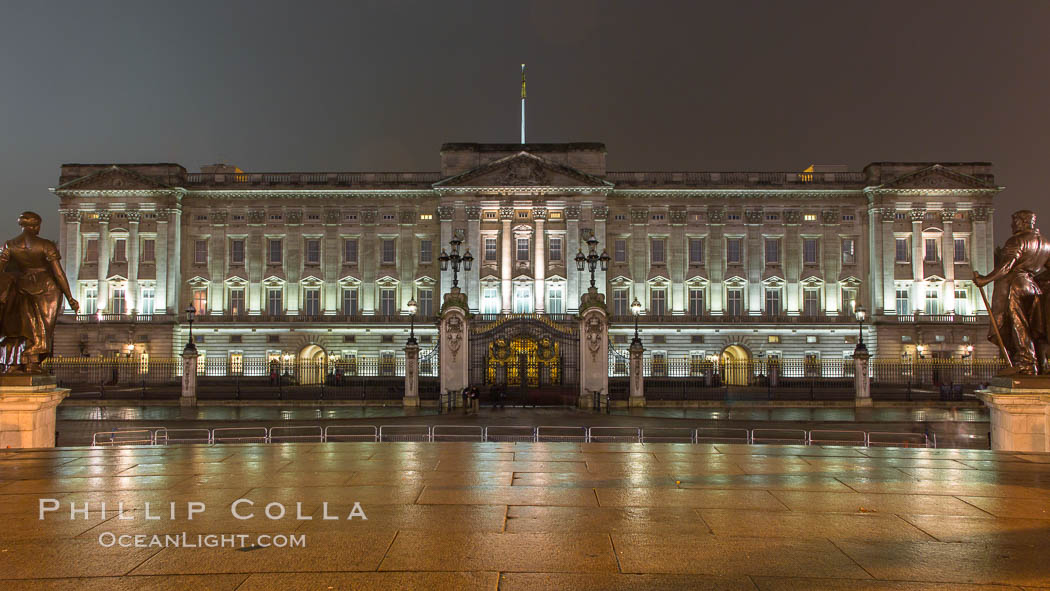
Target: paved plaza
<point>537,516</point>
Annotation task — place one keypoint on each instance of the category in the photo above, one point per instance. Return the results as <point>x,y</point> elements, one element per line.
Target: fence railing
<point>515,433</point>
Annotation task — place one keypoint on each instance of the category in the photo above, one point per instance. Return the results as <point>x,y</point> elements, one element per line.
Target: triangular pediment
<point>114,178</point>
<point>523,170</point>
<point>937,177</point>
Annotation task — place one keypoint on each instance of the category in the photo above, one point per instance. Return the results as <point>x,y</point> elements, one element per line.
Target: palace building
<point>308,265</point>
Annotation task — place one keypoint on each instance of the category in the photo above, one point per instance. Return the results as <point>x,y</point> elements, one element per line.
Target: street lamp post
<point>412,321</point>
<point>455,260</point>
<point>861,315</point>
<point>592,260</point>
<point>191,313</point>
<point>636,310</point>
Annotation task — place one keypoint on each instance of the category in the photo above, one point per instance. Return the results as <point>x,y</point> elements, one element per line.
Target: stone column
<point>889,261</point>
<point>189,376</point>
<point>754,259</point>
<point>174,261</point>
<point>217,263</point>
<point>861,381</point>
<point>539,265</point>
<point>369,262</point>
<point>917,255</point>
<point>948,260</point>
<point>411,373</point>
<point>331,257</point>
<point>572,245</point>
<point>792,261</point>
<point>453,343</point>
<point>831,267</point>
<point>637,397</point>
<point>161,301</point>
<point>473,243</point>
<point>133,262</point>
<point>594,347</point>
<point>103,260</point>
<point>506,265</point>
<point>715,245</point>
<point>601,213</point>
<point>445,215</point>
<point>71,255</point>
<point>678,262</point>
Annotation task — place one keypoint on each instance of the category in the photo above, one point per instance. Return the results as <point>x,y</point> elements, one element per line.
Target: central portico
<point>524,211</point>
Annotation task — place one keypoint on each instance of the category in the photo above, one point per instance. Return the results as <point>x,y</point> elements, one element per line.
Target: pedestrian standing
<point>475,399</point>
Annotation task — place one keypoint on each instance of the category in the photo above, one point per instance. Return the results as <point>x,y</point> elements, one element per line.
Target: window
<point>389,251</point>
<point>91,250</point>
<point>90,300</point>
<point>554,249</point>
<point>903,303</point>
<point>237,301</point>
<point>275,301</point>
<point>350,251</point>
<point>658,216</point>
<point>849,254</point>
<point>149,250</point>
<point>696,251</point>
<point>426,252</point>
<point>350,301</point>
<point>490,302</point>
<point>274,251</point>
<point>491,253</point>
<point>697,339</point>
<point>425,302</point>
<point>962,301</point>
<point>773,301</point>
<point>620,250</point>
<point>120,250</point>
<point>523,215</point>
<point>930,250</point>
<point>426,216</point>
<point>147,303</point>
<point>696,302</point>
<point>313,251</point>
<point>388,216</point>
<point>810,251</point>
<point>312,302</point>
<point>773,217</point>
<point>772,251</point>
<point>961,250</point>
<point>659,363</point>
<point>237,251</point>
<point>733,217</point>
<point>735,302</point>
<point>522,299</point>
<point>200,252</point>
<point>933,301</point>
<point>849,300</point>
<point>658,251</point>
<point>658,302</point>
<point>773,338</point>
<point>387,301</point>
<point>118,302</point>
<point>903,252</point>
<point>200,301</point>
<point>734,250</point>
<point>621,307</point>
<point>555,300</point>
<point>523,249</point>
<point>848,217</point>
<point>809,217</point>
<point>810,302</point>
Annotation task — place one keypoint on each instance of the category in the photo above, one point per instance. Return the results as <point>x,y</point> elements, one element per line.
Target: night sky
<point>356,86</point>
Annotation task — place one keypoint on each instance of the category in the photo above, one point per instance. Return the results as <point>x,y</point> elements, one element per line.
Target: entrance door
<point>532,359</point>
<point>736,366</point>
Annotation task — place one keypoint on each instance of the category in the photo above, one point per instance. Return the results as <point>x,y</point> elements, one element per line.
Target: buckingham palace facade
<point>295,265</point>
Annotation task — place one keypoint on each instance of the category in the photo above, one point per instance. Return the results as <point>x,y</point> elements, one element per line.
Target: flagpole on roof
<point>522,103</point>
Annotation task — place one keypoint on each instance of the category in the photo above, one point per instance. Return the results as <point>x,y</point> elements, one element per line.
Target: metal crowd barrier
<point>512,433</point>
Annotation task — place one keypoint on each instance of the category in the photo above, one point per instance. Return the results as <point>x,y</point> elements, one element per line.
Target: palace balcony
<point>115,318</point>
<point>932,318</point>
<point>726,319</point>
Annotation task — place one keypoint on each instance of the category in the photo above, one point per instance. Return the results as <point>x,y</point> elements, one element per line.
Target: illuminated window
<point>200,301</point>
<point>426,216</point>
<point>117,301</point>
<point>849,254</point>
<point>237,301</point>
<point>773,338</point>
<point>146,300</point>
<point>809,217</point>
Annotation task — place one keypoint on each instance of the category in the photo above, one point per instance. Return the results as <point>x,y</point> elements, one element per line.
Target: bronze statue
<point>1020,299</point>
<point>32,284</point>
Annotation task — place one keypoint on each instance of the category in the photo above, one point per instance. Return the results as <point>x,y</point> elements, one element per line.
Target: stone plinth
<point>27,410</point>
<point>411,374</point>
<point>189,376</point>
<point>1020,411</point>
<point>594,349</point>
<point>637,393</point>
<point>861,380</point>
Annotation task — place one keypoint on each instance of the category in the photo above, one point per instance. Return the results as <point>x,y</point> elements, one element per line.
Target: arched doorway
<point>736,366</point>
<point>311,365</point>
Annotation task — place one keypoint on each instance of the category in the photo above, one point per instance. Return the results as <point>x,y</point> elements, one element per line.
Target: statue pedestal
<point>1020,412</point>
<point>27,410</point>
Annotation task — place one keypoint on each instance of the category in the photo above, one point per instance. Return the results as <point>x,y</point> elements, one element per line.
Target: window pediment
<point>197,281</point>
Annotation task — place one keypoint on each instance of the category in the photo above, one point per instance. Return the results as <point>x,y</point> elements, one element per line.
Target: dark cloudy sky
<point>348,86</point>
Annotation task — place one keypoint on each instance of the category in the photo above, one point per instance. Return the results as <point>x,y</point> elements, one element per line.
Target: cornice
<point>748,193</point>
<point>308,193</point>
<point>511,191</point>
<point>93,193</point>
